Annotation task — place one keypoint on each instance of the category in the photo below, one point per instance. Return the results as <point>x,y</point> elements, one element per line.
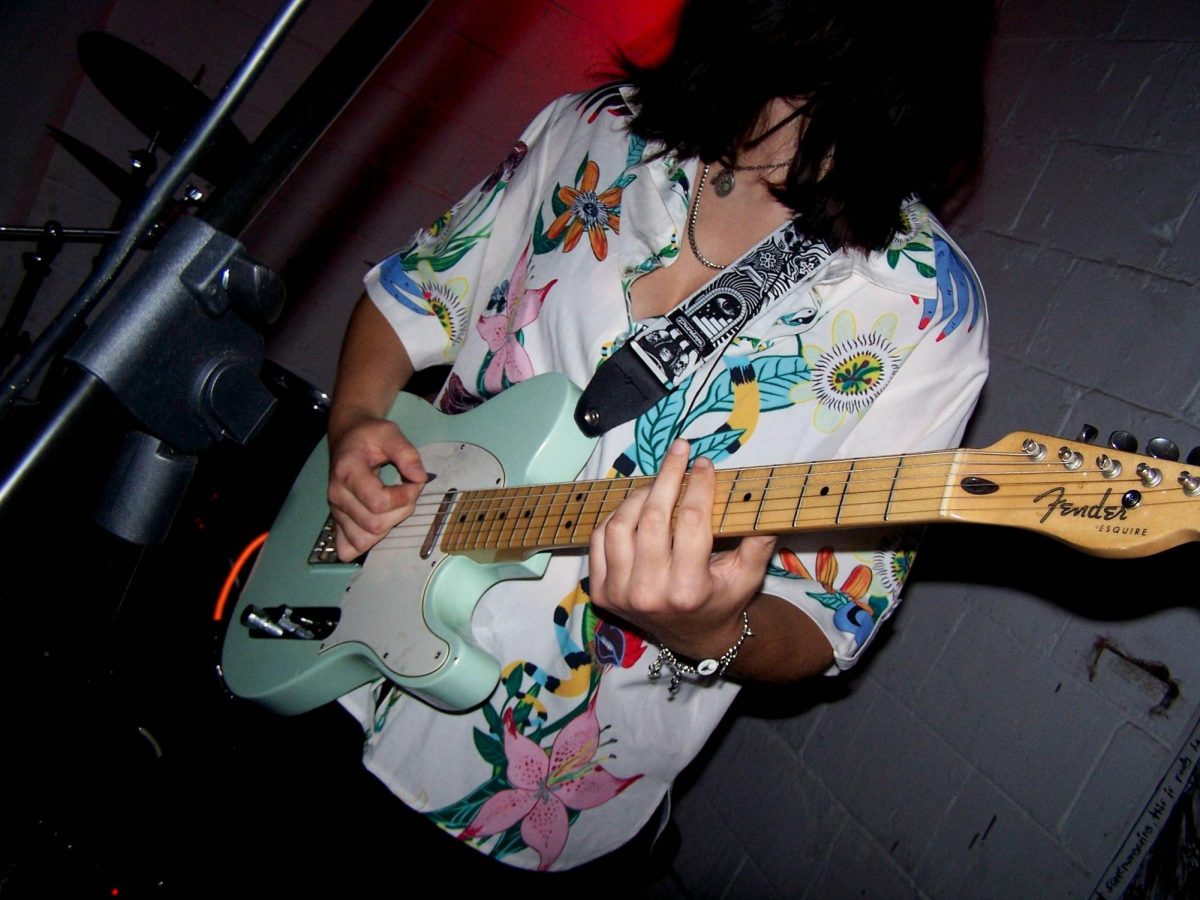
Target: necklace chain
<point>723,185</point>
<point>691,228</point>
<point>725,180</point>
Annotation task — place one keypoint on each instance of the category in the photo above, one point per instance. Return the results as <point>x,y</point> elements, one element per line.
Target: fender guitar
<point>308,628</point>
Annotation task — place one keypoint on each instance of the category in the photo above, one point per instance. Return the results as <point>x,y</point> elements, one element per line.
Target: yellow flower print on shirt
<point>847,377</point>
<point>445,300</point>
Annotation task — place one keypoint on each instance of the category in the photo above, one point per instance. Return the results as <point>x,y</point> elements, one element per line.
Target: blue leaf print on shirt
<point>657,427</point>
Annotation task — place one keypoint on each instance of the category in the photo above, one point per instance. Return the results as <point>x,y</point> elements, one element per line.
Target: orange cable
<point>223,597</point>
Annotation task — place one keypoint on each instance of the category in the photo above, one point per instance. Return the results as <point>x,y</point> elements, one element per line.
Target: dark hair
<point>893,104</point>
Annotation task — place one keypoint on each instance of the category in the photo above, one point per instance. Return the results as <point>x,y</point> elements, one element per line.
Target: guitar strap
<point>668,349</point>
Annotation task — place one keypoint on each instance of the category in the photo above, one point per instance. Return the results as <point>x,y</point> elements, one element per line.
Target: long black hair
<point>893,107</point>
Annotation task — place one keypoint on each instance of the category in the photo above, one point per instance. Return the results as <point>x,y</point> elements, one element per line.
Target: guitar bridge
<point>324,550</point>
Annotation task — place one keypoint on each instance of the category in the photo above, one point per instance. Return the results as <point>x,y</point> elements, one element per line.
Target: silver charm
<point>724,183</point>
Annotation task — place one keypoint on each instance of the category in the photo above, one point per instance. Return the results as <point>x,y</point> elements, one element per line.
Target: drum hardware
<point>203,335</point>
<point>161,103</point>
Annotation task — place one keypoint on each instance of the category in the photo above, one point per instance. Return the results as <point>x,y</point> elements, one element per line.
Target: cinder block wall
<point>1005,736</point>
<point>1015,719</point>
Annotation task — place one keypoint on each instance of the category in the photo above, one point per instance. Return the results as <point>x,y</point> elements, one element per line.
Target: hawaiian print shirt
<point>884,353</point>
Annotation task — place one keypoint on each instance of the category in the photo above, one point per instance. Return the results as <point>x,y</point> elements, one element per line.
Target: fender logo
<point>1101,510</point>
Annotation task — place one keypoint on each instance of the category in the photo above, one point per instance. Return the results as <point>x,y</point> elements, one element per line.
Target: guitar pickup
<point>314,623</point>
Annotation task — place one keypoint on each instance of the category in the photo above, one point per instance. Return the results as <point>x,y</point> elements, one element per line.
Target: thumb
<point>755,552</point>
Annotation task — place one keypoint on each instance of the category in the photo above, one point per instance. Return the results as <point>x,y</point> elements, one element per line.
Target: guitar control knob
<point>1161,448</point>
<point>1071,459</point>
<point>1150,476</point>
<point>1087,433</point>
<point>1123,440</point>
<point>1109,467</point>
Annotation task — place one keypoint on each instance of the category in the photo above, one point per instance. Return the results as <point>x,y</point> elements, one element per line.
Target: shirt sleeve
<point>849,581</point>
<point>429,291</point>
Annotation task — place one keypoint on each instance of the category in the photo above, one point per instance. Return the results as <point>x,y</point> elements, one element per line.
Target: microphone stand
<point>180,349</point>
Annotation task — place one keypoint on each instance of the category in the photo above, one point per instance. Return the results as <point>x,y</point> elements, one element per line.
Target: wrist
<point>343,418</point>
<point>705,667</point>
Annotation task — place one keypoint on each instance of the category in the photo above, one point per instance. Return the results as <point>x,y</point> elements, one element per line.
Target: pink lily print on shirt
<point>543,788</point>
<point>507,361</point>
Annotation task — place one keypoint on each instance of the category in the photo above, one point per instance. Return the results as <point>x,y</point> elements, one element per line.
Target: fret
<point>456,539</point>
<point>869,494</point>
<point>591,511</point>
<point>800,497</point>
<point>845,489</point>
<point>577,499</point>
<point>555,506</point>
<point>887,507</point>
<point>919,490</point>
<point>617,492</point>
<point>531,517</point>
<point>513,504</point>
<point>743,500</point>
<point>493,509</point>
<point>821,495</point>
<point>476,519</point>
<point>763,499</point>
<point>782,499</point>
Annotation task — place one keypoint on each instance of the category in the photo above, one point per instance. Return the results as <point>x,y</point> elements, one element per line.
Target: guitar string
<point>530,536</point>
<point>732,476</point>
<point>533,533</point>
<point>734,479</point>
<point>775,485</point>
<point>500,531</point>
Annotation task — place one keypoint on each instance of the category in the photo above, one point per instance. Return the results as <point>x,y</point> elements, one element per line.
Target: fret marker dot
<point>463,517</point>
<point>501,515</point>
<point>526,514</point>
<point>825,491</point>
<point>746,497</point>
<point>578,498</point>
<point>566,524</point>
<point>480,519</point>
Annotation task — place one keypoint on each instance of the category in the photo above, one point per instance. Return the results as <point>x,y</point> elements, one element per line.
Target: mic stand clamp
<point>180,348</point>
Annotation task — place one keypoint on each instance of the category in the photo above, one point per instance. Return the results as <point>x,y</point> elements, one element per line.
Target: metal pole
<point>181,165</point>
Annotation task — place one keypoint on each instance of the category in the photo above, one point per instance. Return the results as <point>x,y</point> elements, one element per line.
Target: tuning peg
<point>1161,448</point>
<point>1193,457</point>
<point>1123,441</point>
<point>1087,433</point>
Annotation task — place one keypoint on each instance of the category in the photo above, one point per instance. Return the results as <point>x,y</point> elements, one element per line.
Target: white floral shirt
<point>884,353</point>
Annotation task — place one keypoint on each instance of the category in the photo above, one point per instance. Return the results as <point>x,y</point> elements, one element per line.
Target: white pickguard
<point>384,606</point>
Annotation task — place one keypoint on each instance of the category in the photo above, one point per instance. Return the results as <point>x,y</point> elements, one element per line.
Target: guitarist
<point>795,136</point>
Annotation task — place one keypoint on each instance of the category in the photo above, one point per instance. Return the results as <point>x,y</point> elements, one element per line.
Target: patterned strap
<point>670,348</point>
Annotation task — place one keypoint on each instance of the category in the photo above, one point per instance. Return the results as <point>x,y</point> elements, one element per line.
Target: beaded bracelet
<point>705,668</point>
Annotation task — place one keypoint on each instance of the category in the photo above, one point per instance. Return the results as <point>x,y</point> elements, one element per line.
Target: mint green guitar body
<point>403,614</point>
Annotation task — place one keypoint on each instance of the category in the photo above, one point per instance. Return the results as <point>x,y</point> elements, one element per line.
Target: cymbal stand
<point>210,283</point>
<point>87,387</point>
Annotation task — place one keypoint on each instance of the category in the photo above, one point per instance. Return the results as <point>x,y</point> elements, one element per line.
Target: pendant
<point>723,183</point>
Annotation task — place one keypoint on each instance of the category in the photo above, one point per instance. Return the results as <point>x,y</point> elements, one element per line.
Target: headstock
<point>1107,501</point>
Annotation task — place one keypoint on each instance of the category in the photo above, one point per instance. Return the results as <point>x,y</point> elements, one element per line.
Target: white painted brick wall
<point>989,749</point>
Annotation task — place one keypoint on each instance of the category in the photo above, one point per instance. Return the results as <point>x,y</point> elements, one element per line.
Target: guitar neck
<point>850,493</point>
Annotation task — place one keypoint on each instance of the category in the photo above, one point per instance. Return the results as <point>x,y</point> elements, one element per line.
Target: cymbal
<point>111,175</point>
<point>160,103</point>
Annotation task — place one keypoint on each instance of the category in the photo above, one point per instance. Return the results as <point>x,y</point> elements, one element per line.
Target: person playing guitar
<point>781,147</point>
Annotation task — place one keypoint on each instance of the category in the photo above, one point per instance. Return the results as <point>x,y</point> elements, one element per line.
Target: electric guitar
<point>308,628</point>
